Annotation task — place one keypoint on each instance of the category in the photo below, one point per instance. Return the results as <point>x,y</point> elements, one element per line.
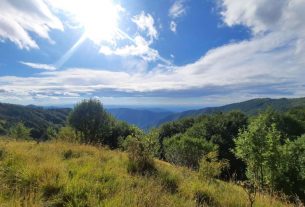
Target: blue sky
<point>156,53</point>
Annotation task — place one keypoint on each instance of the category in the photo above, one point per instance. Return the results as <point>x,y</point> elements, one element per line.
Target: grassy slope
<point>48,174</point>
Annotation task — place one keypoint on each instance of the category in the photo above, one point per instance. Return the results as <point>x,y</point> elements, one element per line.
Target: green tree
<point>259,147</point>
<point>221,129</point>
<point>19,131</point>
<point>292,179</point>
<point>185,150</point>
<point>170,129</point>
<point>91,121</point>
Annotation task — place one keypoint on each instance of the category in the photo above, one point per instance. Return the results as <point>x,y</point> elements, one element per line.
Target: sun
<point>99,18</point>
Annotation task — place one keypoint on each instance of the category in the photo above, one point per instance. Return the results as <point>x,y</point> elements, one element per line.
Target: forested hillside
<point>39,118</point>
<point>249,107</point>
<point>36,118</point>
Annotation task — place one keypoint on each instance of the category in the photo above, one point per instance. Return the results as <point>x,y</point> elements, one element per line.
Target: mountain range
<point>250,107</point>
<point>143,118</point>
<point>146,119</point>
<point>38,117</point>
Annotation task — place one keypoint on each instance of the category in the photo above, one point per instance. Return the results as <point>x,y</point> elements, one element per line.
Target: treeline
<point>266,150</point>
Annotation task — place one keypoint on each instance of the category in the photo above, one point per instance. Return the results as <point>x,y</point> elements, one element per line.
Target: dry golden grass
<point>64,174</point>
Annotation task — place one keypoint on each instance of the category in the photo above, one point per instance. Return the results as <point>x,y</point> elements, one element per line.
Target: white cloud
<point>139,48</point>
<point>177,9</point>
<point>39,66</point>
<point>20,18</point>
<point>173,26</point>
<point>145,22</point>
<point>236,71</point>
<point>264,15</point>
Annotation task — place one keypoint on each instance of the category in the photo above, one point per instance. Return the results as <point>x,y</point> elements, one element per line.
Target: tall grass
<point>63,174</point>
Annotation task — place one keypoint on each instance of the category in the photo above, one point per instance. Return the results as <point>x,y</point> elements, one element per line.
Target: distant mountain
<point>250,107</point>
<point>32,116</point>
<point>143,118</point>
<point>39,118</point>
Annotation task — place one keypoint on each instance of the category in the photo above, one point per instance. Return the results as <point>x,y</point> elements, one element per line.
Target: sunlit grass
<point>63,174</point>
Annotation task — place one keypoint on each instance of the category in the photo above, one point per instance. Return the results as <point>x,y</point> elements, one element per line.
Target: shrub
<point>140,159</point>
<point>185,150</point>
<point>51,190</point>
<point>204,199</point>
<point>2,153</point>
<point>91,121</point>
<point>70,154</point>
<point>68,134</point>
<point>19,131</point>
<point>169,182</point>
<point>210,166</point>
<point>51,132</point>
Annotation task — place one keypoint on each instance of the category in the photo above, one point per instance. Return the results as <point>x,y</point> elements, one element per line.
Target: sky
<point>151,53</point>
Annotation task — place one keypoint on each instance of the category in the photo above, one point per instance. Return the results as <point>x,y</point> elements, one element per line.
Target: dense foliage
<point>274,161</point>
<point>91,121</point>
<point>185,150</point>
<point>268,148</point>
<point>218,129</point>
<point>92,124</point>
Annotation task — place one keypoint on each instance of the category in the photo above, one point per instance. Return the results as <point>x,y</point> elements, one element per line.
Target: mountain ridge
<point>249,107</point>
<point>40,117</point>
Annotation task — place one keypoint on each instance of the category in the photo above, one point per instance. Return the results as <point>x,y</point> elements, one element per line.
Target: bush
<point>51,190</point>
<point>19,131</point>
<point>70,154</point>
<point>68,134</point>
<point>169,182</point>
<point>210,167</point>
<point>51,133</point>
<point>185,150</point>
<point>140,159</point>
<point>91,121</point>
<point>2,153</point>
<point>204,199</point>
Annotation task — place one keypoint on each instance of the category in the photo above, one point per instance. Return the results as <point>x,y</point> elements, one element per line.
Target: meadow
<point>56,173</point>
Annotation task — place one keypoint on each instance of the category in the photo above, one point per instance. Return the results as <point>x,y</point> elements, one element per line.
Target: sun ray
<point>98,18</point>
<point>70,52</point>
